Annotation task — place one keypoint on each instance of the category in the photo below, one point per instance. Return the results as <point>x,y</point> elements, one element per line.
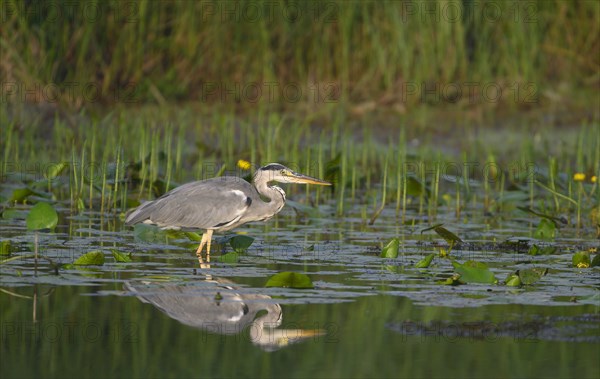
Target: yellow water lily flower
<point>244,165</point>
<point>579,177</point>
<point>594,179</point>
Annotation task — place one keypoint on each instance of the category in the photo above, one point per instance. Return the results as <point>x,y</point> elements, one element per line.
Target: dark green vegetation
<point>370,54</point>
<point>459,239</point>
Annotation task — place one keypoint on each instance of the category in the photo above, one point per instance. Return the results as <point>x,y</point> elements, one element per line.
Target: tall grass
<point>349,52</point>
<point>140,154</point>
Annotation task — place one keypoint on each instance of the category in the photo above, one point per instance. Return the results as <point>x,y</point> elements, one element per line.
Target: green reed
<point>174,144</point>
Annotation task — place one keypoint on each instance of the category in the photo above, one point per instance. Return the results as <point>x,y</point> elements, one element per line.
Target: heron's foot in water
<point>206,239</point>
<point>204,264</point>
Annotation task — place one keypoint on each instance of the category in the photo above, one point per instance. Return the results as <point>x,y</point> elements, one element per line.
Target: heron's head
<point>275,172</point>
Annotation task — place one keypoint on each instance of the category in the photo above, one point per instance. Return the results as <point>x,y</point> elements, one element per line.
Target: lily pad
<point>193,236</point>
<point>544,250</point>
<point>120,257</point>
<point>9,214</point>
<point>450,237</point>
<point>5,248</point>
<point>240,243</point>
<point>546,230</point>
<point>42,216</point>
<point>20,194</point>
<point>513,280</point>
<point>232,257</point>
<point>425,262</point>
<point>532,275</point>
<point>290,280</point>
<point>149,233</point>
<point>454,280</point>
<point>474,272</point>
<point>391,249</point>
<point>581,259</point>
<point>525,276</point>
<point>93,258</point>
<point>447,235</point>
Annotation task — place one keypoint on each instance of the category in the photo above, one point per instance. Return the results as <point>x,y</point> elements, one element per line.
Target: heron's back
<point>216,203</point>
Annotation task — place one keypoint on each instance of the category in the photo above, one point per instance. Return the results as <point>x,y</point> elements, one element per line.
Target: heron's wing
<point>208,204</point>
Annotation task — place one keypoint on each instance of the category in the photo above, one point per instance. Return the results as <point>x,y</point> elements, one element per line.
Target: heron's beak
<point>295,177</point>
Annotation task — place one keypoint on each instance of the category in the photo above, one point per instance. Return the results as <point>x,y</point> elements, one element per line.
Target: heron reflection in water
<point>216,306</point>
<point>220,204</point>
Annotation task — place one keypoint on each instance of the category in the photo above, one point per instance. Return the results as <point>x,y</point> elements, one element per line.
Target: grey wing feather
<point>207,204</point>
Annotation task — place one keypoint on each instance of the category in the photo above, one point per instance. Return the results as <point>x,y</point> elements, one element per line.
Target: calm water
<point>162,316</point>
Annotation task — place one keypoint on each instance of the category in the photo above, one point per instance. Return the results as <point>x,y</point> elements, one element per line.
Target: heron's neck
<point>274,195</point>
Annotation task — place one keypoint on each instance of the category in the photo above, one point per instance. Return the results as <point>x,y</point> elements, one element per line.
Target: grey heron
<point>220,204</point>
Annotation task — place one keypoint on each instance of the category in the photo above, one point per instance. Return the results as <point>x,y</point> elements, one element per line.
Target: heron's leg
<point>202,243</point>
<point>209,232</point>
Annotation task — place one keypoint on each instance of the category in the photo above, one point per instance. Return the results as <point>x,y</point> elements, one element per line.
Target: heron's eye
<point>285,172</point>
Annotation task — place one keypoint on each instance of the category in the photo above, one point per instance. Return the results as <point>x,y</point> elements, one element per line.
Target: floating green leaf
<point>474,272</point>
<point>582,259</point>
<point>425,262</point>
<point>290,280</point>
<point>42,216</point>
<point>5,248</point>
<point>525,276</point>
<point>545,250</point>
<point>394,268</point>
<point>596,260</point>
<point>546,230</point>
<point>93,258</point>
<point>240,243</point>
<point>513,280</point>
<point>454,280</point>
<point>450,237</point>
<point>20,194</point>
<point>120,257</point>
<point>149,233</point>
<point>14,213</point>
<point>193,236</point>
<point>391,249</point>
<point>232,257</point>
<point>532,275</point>
<point>443,253</point>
